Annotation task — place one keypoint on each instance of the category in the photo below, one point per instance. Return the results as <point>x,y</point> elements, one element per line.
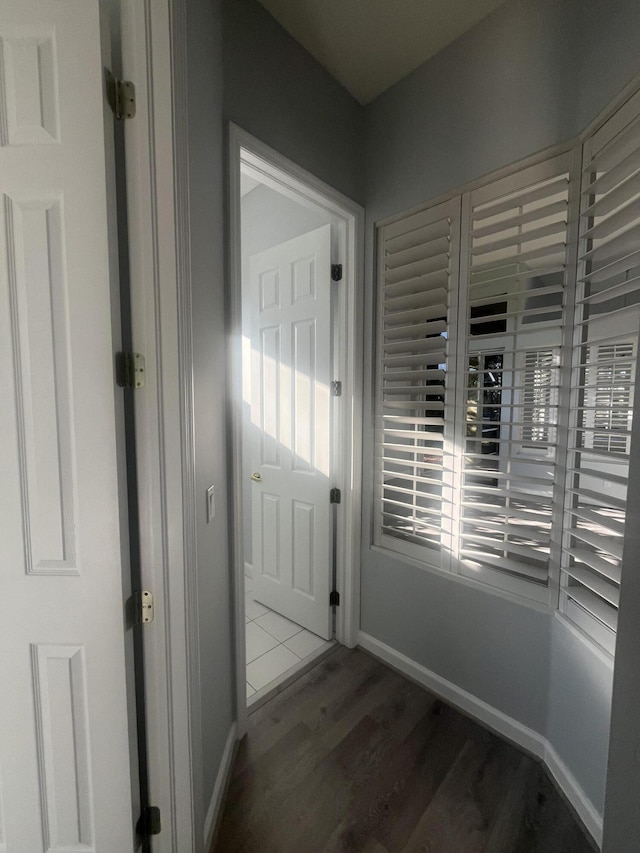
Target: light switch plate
<point>211,504</point>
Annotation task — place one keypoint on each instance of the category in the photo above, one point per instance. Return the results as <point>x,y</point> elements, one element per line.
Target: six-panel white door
<point>64,761</point>
<point>290,320</point>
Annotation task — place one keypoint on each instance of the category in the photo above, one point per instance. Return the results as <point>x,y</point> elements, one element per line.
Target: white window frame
<point>447,557</point>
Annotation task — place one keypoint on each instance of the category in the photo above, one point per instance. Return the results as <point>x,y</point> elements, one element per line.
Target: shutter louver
<point>603,371</point>
<point>418,268</point>
<point>511,322</point>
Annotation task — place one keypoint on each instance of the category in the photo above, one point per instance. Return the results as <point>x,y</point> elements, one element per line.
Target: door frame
<point>287,177</point>
<point>154,58</point>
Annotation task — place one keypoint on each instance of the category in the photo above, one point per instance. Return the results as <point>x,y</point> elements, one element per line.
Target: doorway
<point>294,264</point>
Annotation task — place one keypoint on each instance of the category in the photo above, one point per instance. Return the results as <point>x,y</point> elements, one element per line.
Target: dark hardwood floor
<point>354,757</point>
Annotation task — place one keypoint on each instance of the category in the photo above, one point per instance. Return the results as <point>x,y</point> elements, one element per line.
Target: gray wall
<point>209,334</point>
<point>496,94</point>
<point>530,75</point>
<point>489,646</point>
<point>607,33</point>
<point>268,219</point>
<point>275,90</point>
<point>579,709</point>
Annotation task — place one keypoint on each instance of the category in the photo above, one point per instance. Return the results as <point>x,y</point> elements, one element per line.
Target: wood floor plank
<point>286,769</point>
<point>393,702</point>
<point>460,814</point>
<point>548,824</point>
<point>381,804</point>
<point>354,758</point>
<point>510,816</point>
<point>320,696</point>
<point>431,759</point>
<point>338,781</point>
<point>373,846</point>
<point>317,806</point>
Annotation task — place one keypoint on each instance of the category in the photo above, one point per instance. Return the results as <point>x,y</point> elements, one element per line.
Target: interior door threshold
<point>279,684</point>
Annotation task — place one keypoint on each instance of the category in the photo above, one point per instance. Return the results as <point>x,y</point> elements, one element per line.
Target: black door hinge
<point>336,272</point>
<point>335,496</point>
<point>334,598</point>
<point>149,822</point>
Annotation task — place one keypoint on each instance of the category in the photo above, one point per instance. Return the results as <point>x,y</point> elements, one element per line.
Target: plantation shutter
<point>514,268</point>
<point>603,373</point>
<point>418,266</point>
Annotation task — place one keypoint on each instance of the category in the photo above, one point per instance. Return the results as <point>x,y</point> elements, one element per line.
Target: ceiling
<point>368,45</point>
<point>247,183</point>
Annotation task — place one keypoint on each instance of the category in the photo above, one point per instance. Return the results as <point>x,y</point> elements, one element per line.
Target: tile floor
<point>274,644</point>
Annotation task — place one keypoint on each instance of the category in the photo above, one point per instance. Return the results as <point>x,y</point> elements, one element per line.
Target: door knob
<point>256,477</point>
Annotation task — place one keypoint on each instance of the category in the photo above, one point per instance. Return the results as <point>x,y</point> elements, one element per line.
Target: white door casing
<point>64,761</point>
<point>290,321</point>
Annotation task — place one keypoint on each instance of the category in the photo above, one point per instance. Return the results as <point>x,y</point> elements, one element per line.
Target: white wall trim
<point>182,222</point>
<point>236,417</point>
<point>276,170</point>
<point>525,737</point>
<point>567,782</point>
<point>153,56</point>
<point>219,789</point>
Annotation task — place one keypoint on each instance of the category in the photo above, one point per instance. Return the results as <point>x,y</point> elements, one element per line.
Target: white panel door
<point>64,762</point>
<point>290,296</point>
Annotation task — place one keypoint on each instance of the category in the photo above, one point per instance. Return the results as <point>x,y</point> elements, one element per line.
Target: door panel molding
<point>61,707</point>
<point>38,298</point>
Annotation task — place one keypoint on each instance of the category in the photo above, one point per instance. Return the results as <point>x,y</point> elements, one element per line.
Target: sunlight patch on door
<point>308,401</point>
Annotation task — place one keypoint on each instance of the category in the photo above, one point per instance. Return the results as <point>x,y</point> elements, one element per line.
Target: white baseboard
<point>503,724</point>
<point>587,812</point>
<point>215,805</point>
<point>248,569</point>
